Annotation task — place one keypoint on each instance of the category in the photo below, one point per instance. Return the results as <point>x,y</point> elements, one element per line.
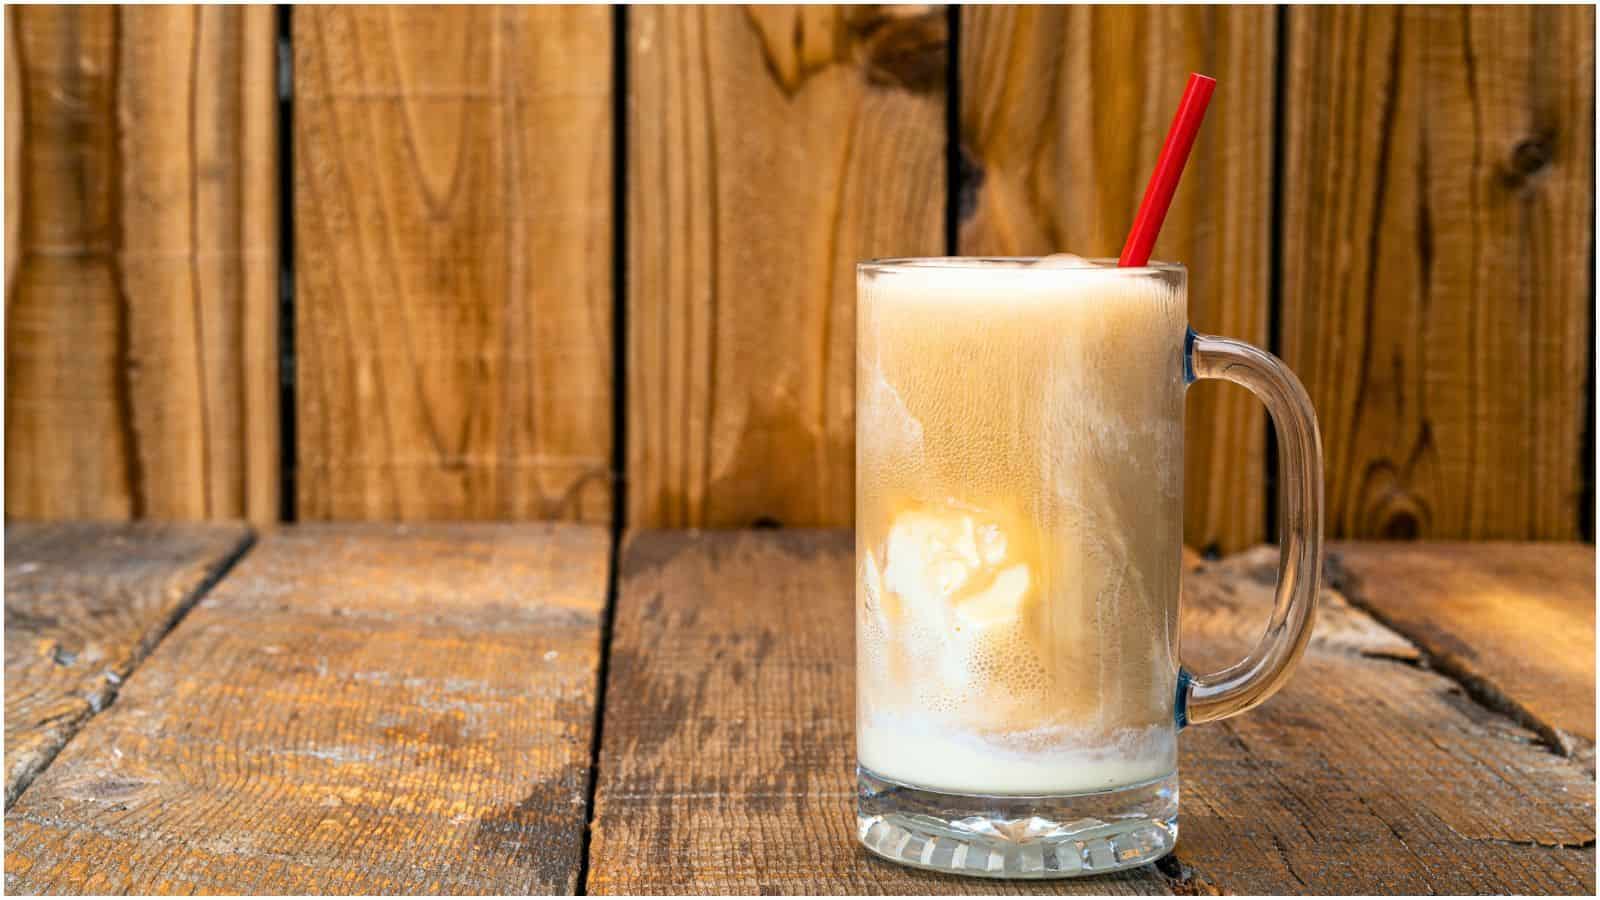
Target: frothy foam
<point>1063,261</point>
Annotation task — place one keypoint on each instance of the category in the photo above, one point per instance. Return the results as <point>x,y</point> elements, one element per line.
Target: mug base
<point>1058,836</point>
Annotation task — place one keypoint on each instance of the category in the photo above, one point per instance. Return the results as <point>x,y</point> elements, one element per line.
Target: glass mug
<point>1019,512</point>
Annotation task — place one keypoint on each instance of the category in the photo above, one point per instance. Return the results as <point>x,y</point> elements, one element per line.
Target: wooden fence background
<point>596,264</point>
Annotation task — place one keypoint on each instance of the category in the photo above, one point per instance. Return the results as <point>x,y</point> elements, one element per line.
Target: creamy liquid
<point>1019,508</point>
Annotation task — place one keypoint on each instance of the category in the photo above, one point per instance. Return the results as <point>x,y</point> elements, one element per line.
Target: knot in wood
<point>909,52</point>
<point>1530,156</point>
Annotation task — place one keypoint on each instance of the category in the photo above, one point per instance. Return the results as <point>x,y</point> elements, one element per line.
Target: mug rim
<point>1014,264</point>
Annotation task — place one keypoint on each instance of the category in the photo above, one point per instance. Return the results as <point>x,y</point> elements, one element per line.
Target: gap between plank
<point>1185,880</point>
<point>287,456</point>
<point>602,676</point>
<point>619,414</point>
<point>141,652</point>
<point>952,131</point>
<point>1280,84</point>
<point>1478,688</point>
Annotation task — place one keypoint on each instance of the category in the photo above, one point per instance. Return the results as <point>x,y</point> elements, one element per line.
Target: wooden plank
<point>357,709</point>
<point>69,431</point>
<point>1477,608</point>
<point>85,603</point>
<point>726,762</point>
<point>1438,218</point>
<point>453,262</point>
<point>770,149</point>
<point>1367,774</point>
<point>141,357</point>
<point>1063,110</point>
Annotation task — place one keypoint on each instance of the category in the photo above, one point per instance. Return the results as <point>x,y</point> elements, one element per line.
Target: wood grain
<point>141,329</point>
<point>1063,110</point>
<point>453,242</point>
<point>725,765</point>
<point>85,603</point>
<point>727,761</point>
<point>1452,600</point>
<point>1367,774</point>
<point>1438,220</point>
<point>357,709</point>
<point>770,149</point>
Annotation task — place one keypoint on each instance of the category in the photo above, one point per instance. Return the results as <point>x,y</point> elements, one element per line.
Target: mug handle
<point>1206,698</point>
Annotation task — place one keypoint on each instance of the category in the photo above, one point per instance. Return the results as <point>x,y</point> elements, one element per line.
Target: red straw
<point>1169,167</point>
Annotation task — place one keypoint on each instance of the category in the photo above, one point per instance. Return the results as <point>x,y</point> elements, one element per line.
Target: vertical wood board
<point>770,149</point>
<point>453,241</point>
<point>1438,225</point>
<point>141,299</point>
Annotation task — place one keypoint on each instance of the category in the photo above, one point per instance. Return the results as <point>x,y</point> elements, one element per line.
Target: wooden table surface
<point>499,709</point>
